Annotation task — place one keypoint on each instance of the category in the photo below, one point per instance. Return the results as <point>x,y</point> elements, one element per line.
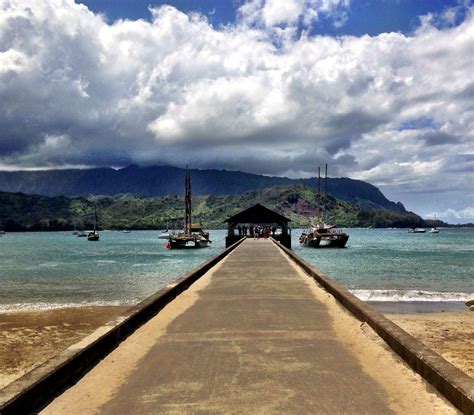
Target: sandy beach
<point>449,334</point>
<point>28,338</point>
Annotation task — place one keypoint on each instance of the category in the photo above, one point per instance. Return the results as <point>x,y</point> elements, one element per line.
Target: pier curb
<point>39,386</point>
<point>451,382</point>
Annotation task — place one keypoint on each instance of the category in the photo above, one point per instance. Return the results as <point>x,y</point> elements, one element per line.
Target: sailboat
<point>94,235</point>
<point>193,235</point>
<point>321,234</point>
<point>75,231</point>
<point>434,229</point>
<point>166,234</point>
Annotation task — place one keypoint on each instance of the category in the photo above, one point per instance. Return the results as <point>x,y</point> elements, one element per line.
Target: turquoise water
<point>49,270</point>
<point>57,269</point>
<point>394,265</point>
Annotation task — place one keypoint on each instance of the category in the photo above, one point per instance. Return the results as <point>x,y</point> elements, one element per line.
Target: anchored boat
<point>417,230</point>
<point>197,238</point>
<point>193,235</point>
<point>94,235</point>
<point>166,234</point>
<point>322,235</point>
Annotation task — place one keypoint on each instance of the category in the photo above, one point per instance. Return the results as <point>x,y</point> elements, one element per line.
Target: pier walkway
<point>253,335</point>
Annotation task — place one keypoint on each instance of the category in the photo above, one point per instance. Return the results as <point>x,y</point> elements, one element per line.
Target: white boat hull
<point>164,235</point>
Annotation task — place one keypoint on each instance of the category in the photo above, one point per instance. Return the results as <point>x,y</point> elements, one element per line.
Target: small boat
<point>434,229</point>
<point>94,235</point>
<point>165,234</point>
<point>81,234</point>
<point>193,235</point>
<point>126,231</point>
<point>417,230</point>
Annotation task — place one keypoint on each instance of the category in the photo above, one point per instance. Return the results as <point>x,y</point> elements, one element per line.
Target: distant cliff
<point>20,212</point>
<point>165,180</point>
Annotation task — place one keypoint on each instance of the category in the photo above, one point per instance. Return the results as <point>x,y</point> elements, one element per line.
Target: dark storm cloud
<point>437,138</point>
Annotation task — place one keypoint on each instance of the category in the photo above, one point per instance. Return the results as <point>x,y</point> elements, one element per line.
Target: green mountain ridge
<point>156,181</point>
<point>20,212</point>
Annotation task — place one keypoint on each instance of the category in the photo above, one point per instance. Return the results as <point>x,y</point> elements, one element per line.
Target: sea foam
<point>43,306</point>
<point>411,295</point>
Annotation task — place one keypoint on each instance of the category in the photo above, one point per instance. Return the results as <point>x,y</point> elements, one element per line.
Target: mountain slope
<point>165,180</point>
<point>297,202</point>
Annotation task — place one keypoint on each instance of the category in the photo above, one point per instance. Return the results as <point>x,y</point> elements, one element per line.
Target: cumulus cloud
<point>393,109</point>
<point>454,216</point>
<point>272,13</point>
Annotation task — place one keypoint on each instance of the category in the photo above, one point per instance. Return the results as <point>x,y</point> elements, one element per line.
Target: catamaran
<point>320,234</point>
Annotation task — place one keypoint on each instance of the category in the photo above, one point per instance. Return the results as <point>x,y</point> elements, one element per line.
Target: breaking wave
<point>411,295</point>
<point>42,306</point>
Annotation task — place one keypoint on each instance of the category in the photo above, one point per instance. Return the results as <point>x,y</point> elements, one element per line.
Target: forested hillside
<point>20,212</point>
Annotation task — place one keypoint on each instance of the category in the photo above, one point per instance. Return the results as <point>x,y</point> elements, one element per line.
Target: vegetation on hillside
<point>159,181</point>
<point>20,212</point>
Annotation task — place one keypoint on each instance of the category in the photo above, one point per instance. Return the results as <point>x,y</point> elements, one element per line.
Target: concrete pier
<point>255,334</point>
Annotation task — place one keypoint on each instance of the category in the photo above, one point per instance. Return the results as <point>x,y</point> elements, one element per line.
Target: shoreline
<point>417,307</point>
<point>30,337</point>
<point>384,307</point>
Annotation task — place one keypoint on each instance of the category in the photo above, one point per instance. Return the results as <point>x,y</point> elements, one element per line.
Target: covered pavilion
<point>242,224</point>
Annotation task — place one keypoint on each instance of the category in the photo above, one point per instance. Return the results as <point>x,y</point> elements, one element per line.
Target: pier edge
<point>41,385</point>
<point>451,382</point>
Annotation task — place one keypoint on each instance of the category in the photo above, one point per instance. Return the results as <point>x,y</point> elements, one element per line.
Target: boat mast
<point>326,182</point>
<point>325,189</point>
<point>319,193</point>
<point>187,203</point>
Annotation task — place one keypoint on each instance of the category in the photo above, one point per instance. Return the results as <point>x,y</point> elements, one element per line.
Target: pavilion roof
<point>258,214</point>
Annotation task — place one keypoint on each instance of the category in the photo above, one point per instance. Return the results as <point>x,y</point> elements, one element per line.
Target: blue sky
<point>381,90</point>
<point>364,16</point>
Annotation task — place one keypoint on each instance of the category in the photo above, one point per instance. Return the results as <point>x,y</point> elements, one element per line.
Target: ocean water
<point>394,265</point>
<point>44,270</point>
<point>52,270</point>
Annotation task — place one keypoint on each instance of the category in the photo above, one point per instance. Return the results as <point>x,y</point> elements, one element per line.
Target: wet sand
<point>449,334</point>
<point>29,338</point>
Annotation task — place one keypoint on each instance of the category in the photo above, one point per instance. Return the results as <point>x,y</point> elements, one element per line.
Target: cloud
<point>273,13</point>
<point>393,109</point>
<point>464,215</point>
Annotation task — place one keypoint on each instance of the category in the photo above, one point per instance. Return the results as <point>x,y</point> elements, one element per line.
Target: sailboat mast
<point>326,182</point>
<point>325,190</point>
<point>319,192</point>
<point>187,202</point>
